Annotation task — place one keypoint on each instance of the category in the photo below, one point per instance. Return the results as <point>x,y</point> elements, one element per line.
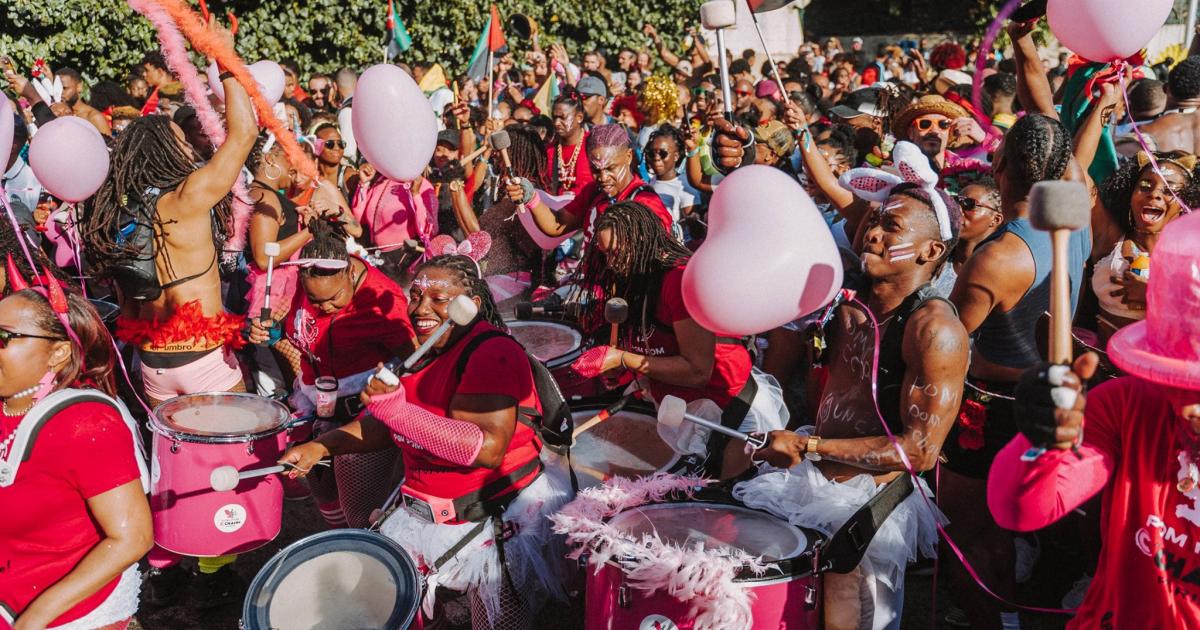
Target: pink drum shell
<point>192,519</point>
<point>778,604</point>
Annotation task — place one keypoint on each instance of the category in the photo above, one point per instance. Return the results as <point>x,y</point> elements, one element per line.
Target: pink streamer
<point>20,235</point>
<point>1142,139</point>
<point>985,51</point>
<point>912,473</point>
<point>175,50</point>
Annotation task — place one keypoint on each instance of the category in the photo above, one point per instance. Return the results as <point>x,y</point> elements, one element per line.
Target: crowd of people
<point>933,357</point>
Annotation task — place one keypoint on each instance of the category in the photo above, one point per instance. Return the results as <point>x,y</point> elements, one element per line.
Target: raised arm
<point>550,222</point>
<point>817,167</point>
<point>204,188</point>
<point>1033,89</point>
<point>669,57</point>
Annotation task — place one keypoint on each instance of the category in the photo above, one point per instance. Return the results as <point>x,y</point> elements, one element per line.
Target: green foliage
<point>104,38</point>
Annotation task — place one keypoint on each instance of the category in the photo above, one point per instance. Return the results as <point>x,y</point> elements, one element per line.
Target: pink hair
<point>175,51</point>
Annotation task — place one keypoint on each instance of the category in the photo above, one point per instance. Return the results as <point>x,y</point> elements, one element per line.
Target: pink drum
<point>625,445</point>
<point>785,597</point>
<point>557,345</point>
<point>197,433</point>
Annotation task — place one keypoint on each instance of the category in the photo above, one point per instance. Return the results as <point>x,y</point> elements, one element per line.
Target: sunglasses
<point>970,205</point>
<point>334,144</point>
<point>7,335</point>
<point>657,153</point>
<point>697,91</point>
<point>925,124</point>
<point>744,92</point>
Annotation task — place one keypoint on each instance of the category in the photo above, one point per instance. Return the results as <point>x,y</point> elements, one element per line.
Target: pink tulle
<point>702,577</point>
<point>194,89</point>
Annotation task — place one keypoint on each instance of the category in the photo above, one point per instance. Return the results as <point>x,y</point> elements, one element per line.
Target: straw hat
<point>1165,347</point>
<point>925,106</point>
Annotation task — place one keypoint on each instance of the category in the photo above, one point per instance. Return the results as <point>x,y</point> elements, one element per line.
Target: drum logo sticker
<point>230,518</point>
<point>657,622</point>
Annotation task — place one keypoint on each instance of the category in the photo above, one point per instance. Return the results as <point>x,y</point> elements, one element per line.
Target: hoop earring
<point>267,170</point>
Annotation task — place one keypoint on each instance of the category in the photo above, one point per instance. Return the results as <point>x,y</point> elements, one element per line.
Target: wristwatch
<point>810,449</point>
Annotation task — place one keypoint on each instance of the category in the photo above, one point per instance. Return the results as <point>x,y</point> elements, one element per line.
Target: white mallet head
<point>463,310</point>
<point>224,478</point>
<point>387,377</point>
<point>271,249</point>
<point>671,411</point>
<point>718,14</point>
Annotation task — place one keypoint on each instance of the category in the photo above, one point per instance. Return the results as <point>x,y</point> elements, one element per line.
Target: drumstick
<point>616,311</point>
<point>225,478</point>
<point>456,125</point>
<point>462,312</point>
<point>271,250</point>
<point>603,415</point>
<point>672,412</point>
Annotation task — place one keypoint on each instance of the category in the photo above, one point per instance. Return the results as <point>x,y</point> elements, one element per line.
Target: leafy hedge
<point>104,38</point>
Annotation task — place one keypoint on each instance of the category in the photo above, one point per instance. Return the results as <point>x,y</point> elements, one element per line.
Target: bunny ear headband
<point>475,247</point>
<point>876,185</point>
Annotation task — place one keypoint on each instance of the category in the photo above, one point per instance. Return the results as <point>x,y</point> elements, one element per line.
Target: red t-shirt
<point>1148,574</point>
<point>373,328</point>
<point>731,365</point>
<point>583,169</point>
<point>83,451</point>
<point>497,367</point>
<point>592,202</point>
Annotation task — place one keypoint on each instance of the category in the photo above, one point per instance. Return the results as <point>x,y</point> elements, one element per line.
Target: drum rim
<point>157,425</point>
<point>270,569</point>
<point>784,569</point>
<point>636,406</point>
<point>562,359</point>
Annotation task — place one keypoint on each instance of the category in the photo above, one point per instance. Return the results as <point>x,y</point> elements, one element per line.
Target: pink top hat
<point>1165,347</point>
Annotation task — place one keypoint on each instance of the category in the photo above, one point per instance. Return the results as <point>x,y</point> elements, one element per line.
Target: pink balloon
<point>1106,30</point>
<point>393,122</point>
<point>267,74</point>
<point>69,158</point>
<point>769,257</point>
<point>6,131</point>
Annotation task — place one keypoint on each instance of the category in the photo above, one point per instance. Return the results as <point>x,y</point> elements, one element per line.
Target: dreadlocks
<point>328,243</point>
<point>642,253</point>
<point>468,277</point>
<point>147,155</point>
<point>528,154</point>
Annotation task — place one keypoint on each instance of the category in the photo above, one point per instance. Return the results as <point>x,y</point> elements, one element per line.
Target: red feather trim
<point>188,325</point>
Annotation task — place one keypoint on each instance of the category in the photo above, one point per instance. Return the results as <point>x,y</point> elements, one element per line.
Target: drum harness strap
<point>843,551</point>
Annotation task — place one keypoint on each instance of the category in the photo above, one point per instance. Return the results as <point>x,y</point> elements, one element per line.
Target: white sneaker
<point>1074,597</point>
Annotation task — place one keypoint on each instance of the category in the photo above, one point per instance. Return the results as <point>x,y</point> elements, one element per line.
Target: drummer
<point>664,347</point>
<point>456,420</point>
<point>347,318</point>
<point>76,516</point>
<point>848,457</point>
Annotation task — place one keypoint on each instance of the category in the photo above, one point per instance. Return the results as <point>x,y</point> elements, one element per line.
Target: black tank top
<point>291,218</point>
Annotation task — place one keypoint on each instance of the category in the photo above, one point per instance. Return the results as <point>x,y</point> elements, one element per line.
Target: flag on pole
<point>490,40</point>
<point>547,94</point>
<point>398,38</point>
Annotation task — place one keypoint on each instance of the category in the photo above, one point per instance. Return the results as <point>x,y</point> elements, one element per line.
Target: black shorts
<point>970,448</point>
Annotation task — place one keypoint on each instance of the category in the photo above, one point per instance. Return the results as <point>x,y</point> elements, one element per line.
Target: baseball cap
<point>684,67</point>
<point>592,86</point>
<point>449,137</point>
<point>776,136</point>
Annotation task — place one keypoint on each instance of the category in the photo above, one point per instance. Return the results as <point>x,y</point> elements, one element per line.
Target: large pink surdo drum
<point>197,433</point>
<point>624,445</point>
<point>784,596</point>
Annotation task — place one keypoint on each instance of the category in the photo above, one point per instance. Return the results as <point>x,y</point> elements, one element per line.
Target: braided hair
<point>328,243</point>
<point>147,155</point>
<point>645,252</point>
<point>1117,191</point>
<point>1036,149</point>
<point>467,276</point>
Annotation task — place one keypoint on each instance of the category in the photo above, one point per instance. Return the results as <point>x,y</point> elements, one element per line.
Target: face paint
<point>424,283</point>
<point>903,251</point>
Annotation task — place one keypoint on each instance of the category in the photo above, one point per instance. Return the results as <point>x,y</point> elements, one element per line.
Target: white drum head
<point>219,417</point>
<point>625,445</point>
<point>716,526</point>
<point>546,341</point>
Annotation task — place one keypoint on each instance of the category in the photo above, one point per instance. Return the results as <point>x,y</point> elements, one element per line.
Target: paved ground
<point>301,519</point>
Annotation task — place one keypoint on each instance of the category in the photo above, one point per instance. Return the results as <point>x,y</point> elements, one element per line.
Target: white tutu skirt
<point>120,605</point>
<point>767,413</point>
<point>805,498</point>
<point>535,556</point>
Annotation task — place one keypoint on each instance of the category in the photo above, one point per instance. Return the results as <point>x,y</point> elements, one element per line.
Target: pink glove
<point>455,441</point>
<point>591,363</point>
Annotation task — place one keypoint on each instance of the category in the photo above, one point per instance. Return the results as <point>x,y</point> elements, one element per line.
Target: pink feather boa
<point>196,92</point>
<point>703,577</point>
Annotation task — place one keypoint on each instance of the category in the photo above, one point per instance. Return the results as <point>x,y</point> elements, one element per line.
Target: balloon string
<point>984,52</point>
<point>912,473</point>
<point>1137,133</point>
<point>18,233</point>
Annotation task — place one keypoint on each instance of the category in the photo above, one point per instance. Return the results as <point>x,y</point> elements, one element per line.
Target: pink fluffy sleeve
<point>455,441</point>
<point>1025,496</point>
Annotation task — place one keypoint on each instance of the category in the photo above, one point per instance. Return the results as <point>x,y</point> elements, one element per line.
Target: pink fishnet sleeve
<point>455,441</point>
<point>1025,496</point>
<point>589,363</point>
